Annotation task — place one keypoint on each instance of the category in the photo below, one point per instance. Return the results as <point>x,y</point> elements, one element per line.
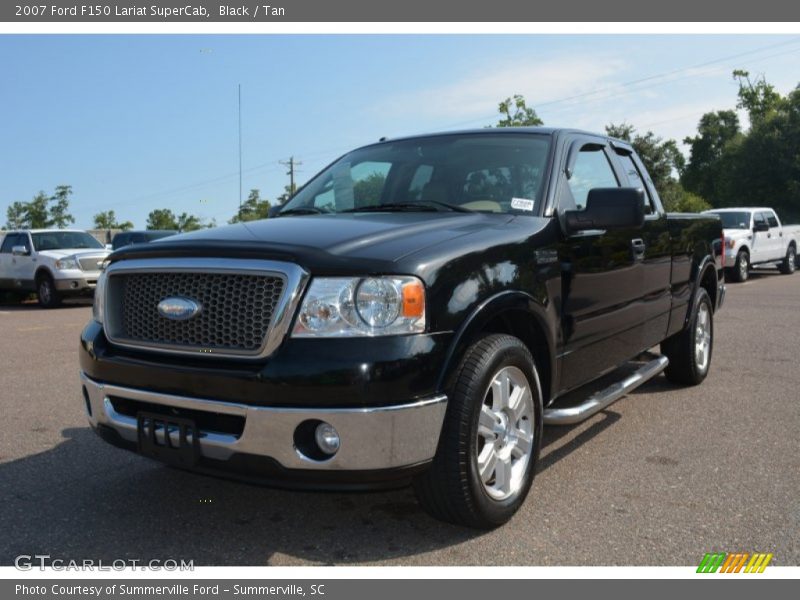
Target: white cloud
<point>476,95</point>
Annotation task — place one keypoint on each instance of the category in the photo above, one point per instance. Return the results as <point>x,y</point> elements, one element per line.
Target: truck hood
<point>64,252</point>
<point>737,234</point>
<point>385,237</point>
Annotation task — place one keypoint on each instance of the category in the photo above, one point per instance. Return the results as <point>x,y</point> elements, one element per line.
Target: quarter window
<point>636,180</point>
<point>772,219</point>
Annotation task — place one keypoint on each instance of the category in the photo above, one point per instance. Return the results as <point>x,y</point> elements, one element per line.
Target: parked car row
<point>58,263</point>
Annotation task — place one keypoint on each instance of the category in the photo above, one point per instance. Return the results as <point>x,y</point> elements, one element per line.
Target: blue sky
<point>140,122</point>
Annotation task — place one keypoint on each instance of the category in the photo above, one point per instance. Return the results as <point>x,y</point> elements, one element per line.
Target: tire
<point>789,264</point>
<point>482,430</point>
<point>46,292</point>
<point>689,351</point>
<point>740,270</point>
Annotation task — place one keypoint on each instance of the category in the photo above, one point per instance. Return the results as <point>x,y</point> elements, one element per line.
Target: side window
<point>591,170</point>
<point>759,218</point>
<point>8,243</point>
<point>636,180</point>
<point>772,219</point>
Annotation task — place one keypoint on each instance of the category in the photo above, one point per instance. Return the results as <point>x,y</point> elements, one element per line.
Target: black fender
<point>700,271</point>
<point>486,311</point>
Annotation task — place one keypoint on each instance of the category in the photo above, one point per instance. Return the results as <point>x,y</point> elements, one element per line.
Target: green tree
<point>108,220</point>
<point>757,97</point>
<point>162,218</point>
<point>764,169</point>
<point>661,157</point>
<point>707,166</point>
<point>252,209</point>
<point>516,113</point>
<point>15,215</point>
<point>676,199</point>
<point>59,211</point>
<point>187,222</point>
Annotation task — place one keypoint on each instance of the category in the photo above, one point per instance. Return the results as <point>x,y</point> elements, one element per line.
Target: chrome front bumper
<point>371,438</point>
<point>77,284</point>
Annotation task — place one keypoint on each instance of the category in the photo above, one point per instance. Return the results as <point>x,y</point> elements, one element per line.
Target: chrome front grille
<point>90,263</point>
<point>244,305</point>
<point>235,309</point>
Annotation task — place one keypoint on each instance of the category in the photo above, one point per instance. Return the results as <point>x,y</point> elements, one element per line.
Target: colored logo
<point>737,562</point>
<point>177,308</point>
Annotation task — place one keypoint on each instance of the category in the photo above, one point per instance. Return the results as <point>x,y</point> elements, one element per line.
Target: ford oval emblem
<point>177,308</point>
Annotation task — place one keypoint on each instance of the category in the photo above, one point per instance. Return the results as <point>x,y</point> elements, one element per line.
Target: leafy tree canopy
<point>108,220</point>
<point>252,209</point>
<point>516,113</point>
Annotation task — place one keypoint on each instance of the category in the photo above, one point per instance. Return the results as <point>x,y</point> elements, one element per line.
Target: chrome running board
<point>606,397</point>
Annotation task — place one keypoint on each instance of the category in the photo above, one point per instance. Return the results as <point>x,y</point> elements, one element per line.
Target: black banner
<point>408,11</point>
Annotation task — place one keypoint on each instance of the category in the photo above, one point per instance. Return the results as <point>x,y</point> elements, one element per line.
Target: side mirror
<point>760,226</point>
<point>608,208</point>
<point>274,210</point>
<point>20,251</point>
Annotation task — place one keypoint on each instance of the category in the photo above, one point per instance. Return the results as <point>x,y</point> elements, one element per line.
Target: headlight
<point>351,307</point>
<point>98,308</point>
<point>64,264</point>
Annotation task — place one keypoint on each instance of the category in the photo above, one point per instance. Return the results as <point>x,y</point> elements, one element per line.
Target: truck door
<point>601,281</point>
<point>654,251</point>
<point>6,278</point>
<point>775,236</point>
<point>23,266</point>
<point>762,240</point>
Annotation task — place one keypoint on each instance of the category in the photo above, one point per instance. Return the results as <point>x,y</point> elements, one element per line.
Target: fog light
<point>327,438</point>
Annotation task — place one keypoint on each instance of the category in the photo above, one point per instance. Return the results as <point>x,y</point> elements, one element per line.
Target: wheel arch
<point>515,313</point>
<point>42,270</point>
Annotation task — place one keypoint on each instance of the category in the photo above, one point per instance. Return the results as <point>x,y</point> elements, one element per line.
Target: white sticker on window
<point>522,204</point>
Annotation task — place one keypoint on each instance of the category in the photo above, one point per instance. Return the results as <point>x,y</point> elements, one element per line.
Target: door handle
<point>637,249</point>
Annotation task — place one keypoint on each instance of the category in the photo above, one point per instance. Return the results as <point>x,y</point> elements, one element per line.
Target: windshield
<point>62,240</point>
<point>735,220</point>
<point>497,173</point>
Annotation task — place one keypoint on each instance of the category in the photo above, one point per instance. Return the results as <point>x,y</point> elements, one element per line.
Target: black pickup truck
<point>413,315</point>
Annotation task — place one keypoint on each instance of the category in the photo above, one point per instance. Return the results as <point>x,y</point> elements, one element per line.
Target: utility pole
<point>240,147</point>
<point>292,164</point>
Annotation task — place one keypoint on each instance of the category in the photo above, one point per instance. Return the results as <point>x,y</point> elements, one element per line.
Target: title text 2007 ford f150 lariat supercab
<point>414,314</point>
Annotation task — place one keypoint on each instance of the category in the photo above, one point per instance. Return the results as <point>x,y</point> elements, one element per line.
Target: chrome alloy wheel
<point>791,260</point>
<point>743,267</point>
<point>702,337</point>
<point>505,433</point>
<point>45,293</point>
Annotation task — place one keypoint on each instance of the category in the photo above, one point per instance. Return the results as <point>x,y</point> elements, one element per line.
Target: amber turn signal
<point>413,300</point>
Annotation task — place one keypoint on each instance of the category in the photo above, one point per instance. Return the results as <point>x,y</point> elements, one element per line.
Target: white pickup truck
<point>755,236</point>
<point>54,263</point>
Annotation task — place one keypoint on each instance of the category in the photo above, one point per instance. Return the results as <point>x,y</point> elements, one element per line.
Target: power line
<point>627,84</point>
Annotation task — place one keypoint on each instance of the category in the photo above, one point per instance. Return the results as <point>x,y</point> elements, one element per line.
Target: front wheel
<point>740,270</point>
<point>490,440</point>
<point>46,292</point>
<point>689,351</point>
<point>789,263</point>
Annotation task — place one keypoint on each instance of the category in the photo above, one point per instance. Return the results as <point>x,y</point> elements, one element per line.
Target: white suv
<point>54,263</point>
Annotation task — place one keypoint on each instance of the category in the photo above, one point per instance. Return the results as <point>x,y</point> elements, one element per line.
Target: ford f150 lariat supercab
<point>414,314</point>
<point>54,263</point>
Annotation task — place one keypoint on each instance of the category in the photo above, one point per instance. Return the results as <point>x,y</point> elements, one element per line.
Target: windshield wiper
<point>301,210</point>
<point>424,205</point>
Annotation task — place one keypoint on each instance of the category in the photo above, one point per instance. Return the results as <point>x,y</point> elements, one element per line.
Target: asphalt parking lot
<point>662,477</point>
